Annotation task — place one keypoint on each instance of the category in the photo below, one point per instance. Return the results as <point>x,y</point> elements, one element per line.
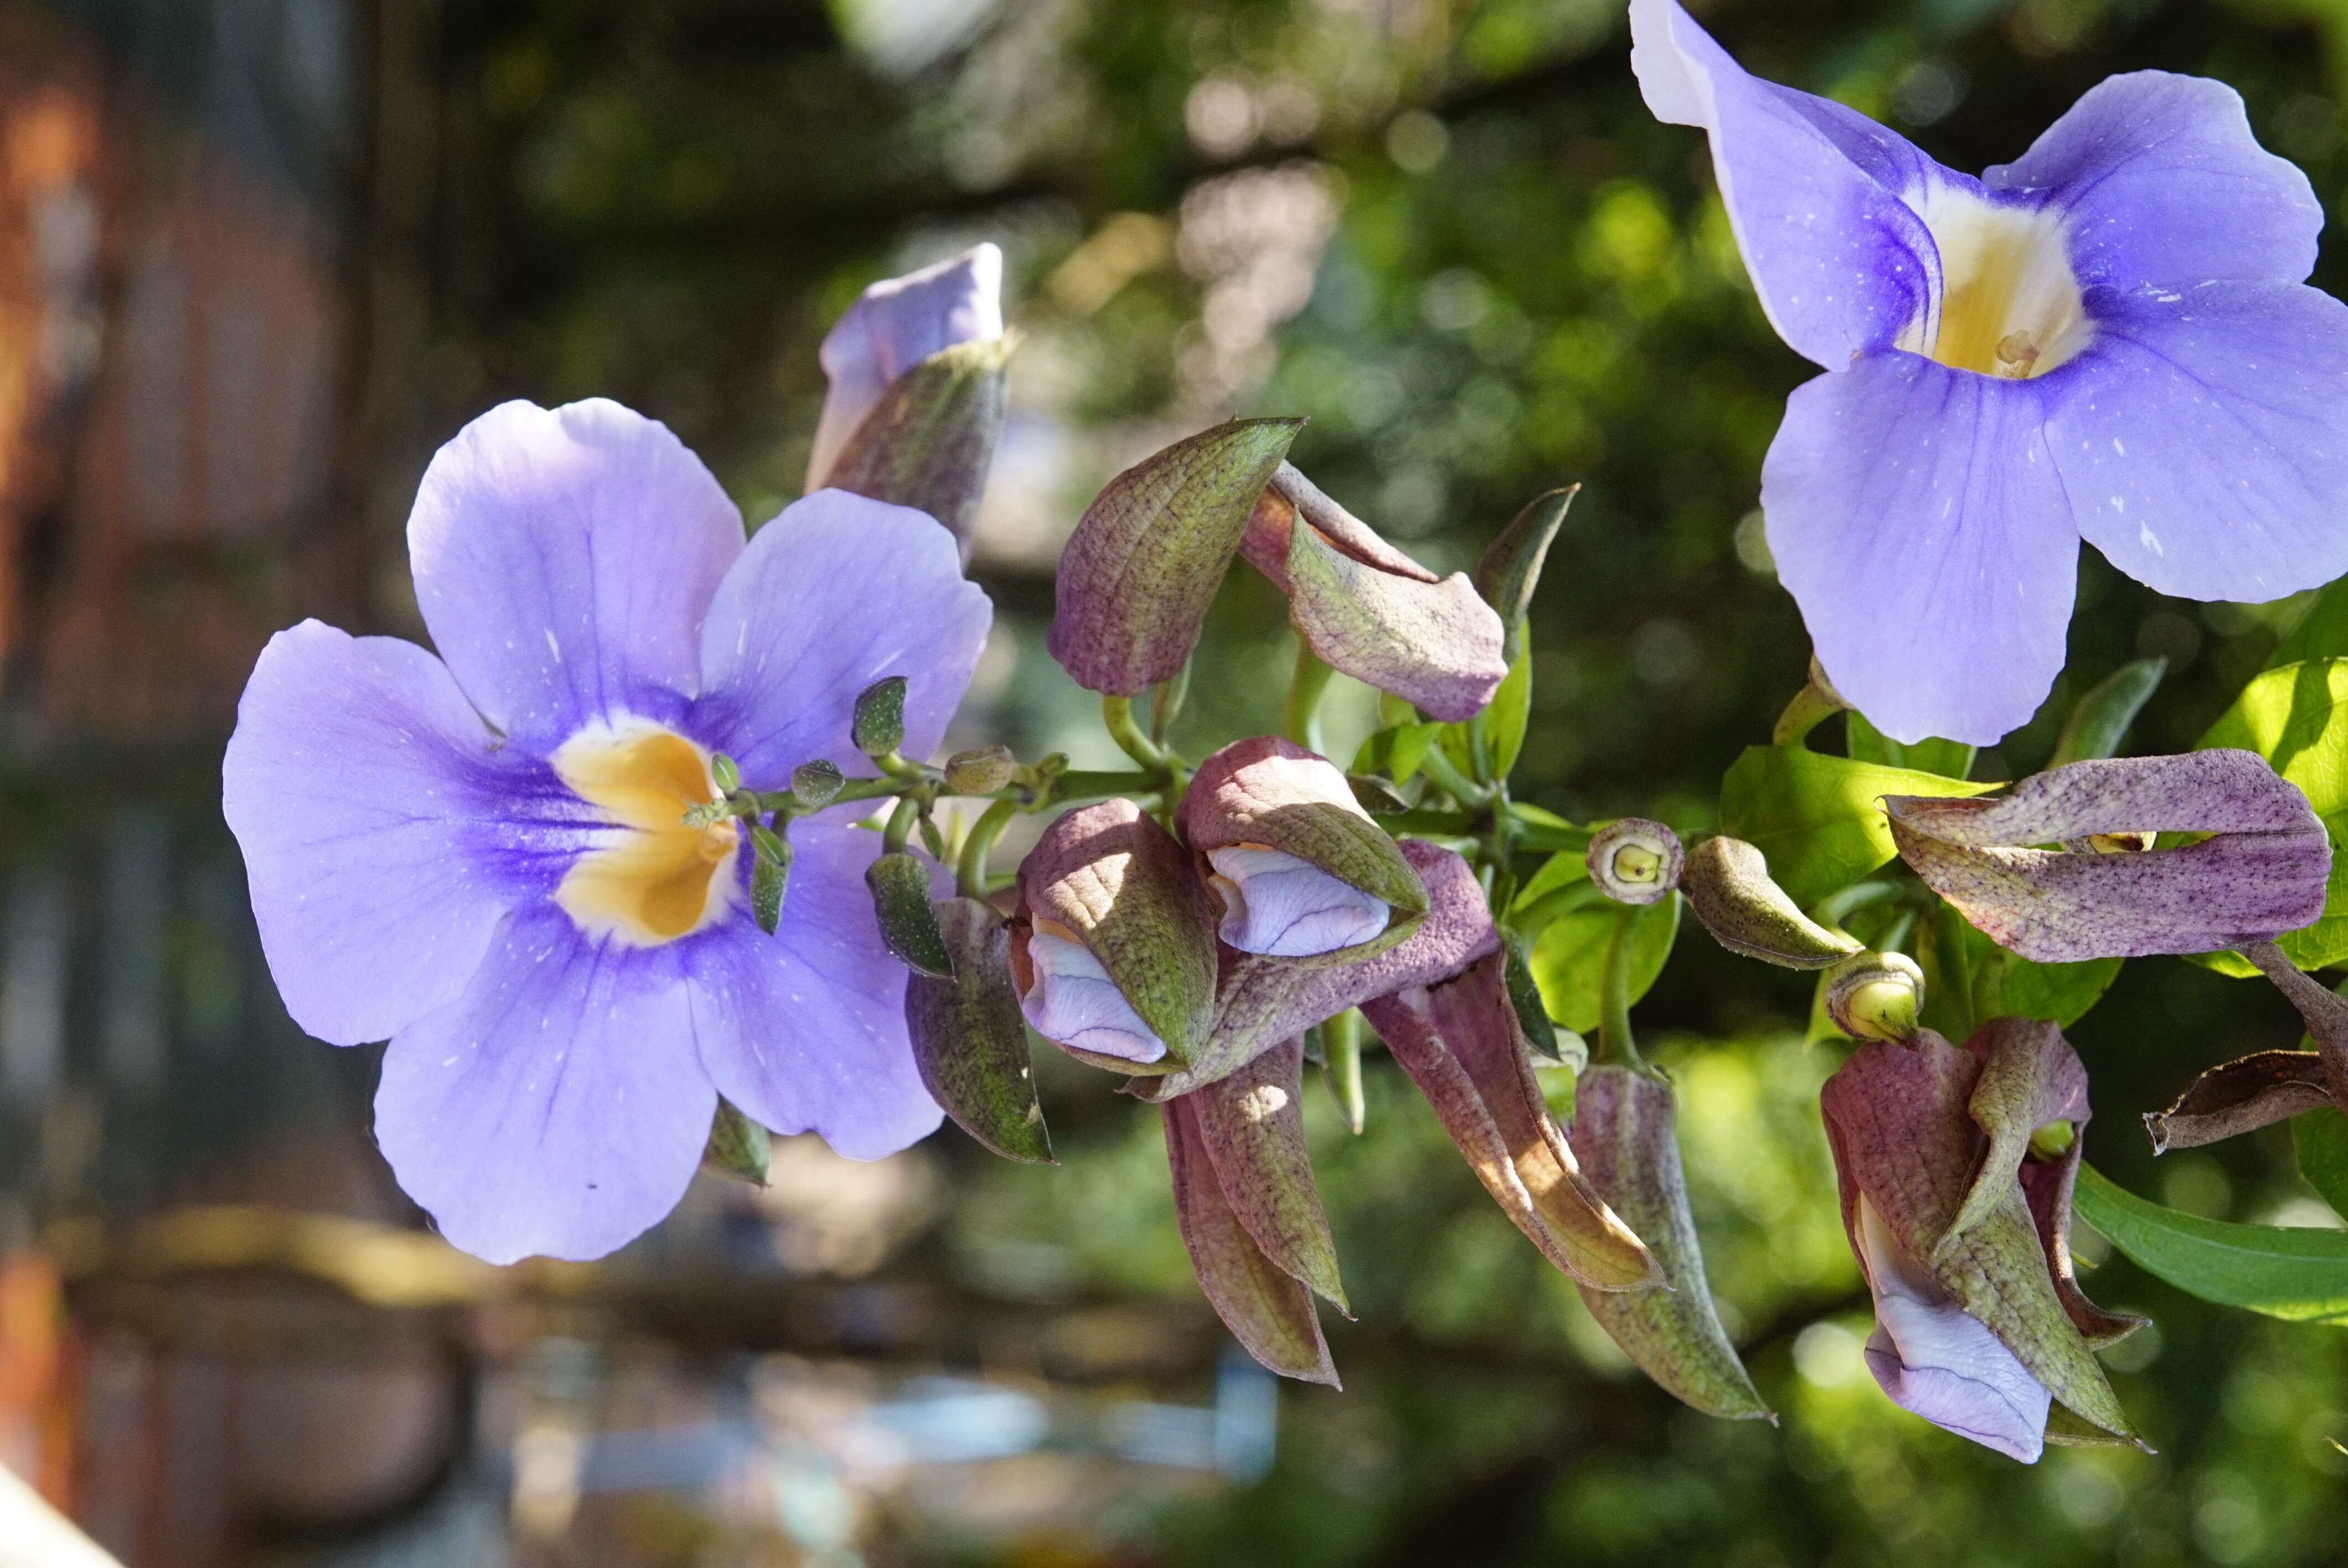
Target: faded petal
<point>384,838</point>
<point>837,592</point>
<point>1072,1002</point>
<point>2241,1096</point>
<point>1282,906</point>
<point>805,1029</point>
<point>559,1107</point>
<point>2203,436</point>
<point>1936,1362</point>
<point>895,326</point>
<point>564,558</point>
<point>1813,190</point>
<point>1916,516</point>
<point>2164,183</point>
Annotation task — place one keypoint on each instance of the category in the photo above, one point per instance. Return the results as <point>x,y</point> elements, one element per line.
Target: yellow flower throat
<point>658,879</point>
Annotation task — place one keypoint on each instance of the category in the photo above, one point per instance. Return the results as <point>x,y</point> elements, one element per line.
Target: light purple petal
<point>837,592</point>
<point>1282,906</point>
<point>384,838</point>
<point>559,1107</point>
<point>563,560</point>
<point>2204,438</point>
<point>805,1029</point>
<point>1072,1002</point>
<point>2164,184</point>
<point>891,328</point>
<point>1814,191</point>
<point>1915,515</point>
<point>1937,1362</point>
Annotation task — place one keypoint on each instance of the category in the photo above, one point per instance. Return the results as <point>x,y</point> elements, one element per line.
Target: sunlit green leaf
<point>2296,716</point>
<point>1396,751</point>
<point>2299,1276</point>
<point>1504,721</point>
<point>1569,956</point>
<point>2321,1139</point>
<point>2321,631</point>
<point>1865,744</point>
<point>1815,815</point>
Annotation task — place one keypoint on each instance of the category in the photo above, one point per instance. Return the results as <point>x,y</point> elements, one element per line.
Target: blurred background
<point>258,257</point>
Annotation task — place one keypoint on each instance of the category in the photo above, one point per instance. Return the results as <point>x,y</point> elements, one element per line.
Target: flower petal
<point>563,560</point>
<point>559,1107</point>
<point>1814,191</point>
<point>2204,438</point>
<point>1915,515</point>
<point>893,326</point>
<point>1282,906</point>
<point>2165,184</point>
<point>805,1029</point>
<point>384,838</point>
<point>837,592</point>
<point>1075,1004</point>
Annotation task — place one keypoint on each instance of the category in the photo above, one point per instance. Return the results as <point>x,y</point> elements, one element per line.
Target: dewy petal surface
<point>1915,514</point>
<point>805,1029</point>
<point>2164,184</point>
<point>1814,191</point>
<point>558,1107</point>
<point>893,326</point>
<point>384,839</point>
<point>837,592</point>
<point>563,560</point>
<point>2203,437</point>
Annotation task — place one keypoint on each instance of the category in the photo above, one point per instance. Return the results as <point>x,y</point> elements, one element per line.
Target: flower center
<point>656,879</point>
<point>2009,303</point>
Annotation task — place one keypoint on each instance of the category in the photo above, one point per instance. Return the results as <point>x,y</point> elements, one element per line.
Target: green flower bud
<point>816,784</point>
<point>1635,861</point>
<point>980,771</point>
<point>879,725</point>
<point>724,772</point>
<point>900,884</point>
<point>1876,996</point>
<point>770,874</point>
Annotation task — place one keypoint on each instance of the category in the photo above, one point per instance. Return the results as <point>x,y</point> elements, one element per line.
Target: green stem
<point>1540,835</point>
<point>1837,908</point>
<point>1117,713</point>
<point>1166,705</point>
<point>1616,1044</point>
<point>901,825</point>
<point>1341,1051</point>
<point>969,875</point>
<point>1811,708</point>
<point>1301,721</point>
<point>1444,772</point>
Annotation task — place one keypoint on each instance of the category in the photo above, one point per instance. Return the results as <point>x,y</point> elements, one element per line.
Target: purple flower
<point>485,860</point>
<point>893,326</point>
<point>2107,339</point>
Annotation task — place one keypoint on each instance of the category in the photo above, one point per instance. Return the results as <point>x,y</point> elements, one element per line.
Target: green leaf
<point>2321,1140</point>
<point>1865,744</point>
<point>2298,1276</point>
<point>2321,631</point>
<point>1504,721</point>
<point>1396,751</point>
<point>2100,721</point>
<point>1569,956</point>
<point>1511,568</point>
<point>2296,716</point>
<point>1815,815</point>
<point>2007,984</point>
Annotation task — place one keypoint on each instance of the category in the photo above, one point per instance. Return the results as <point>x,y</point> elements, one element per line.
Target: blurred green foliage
<point>1447,231</point>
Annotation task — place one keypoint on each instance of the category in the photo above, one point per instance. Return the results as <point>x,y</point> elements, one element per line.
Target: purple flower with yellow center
<point>484,858</point>
<point>2108,339</point>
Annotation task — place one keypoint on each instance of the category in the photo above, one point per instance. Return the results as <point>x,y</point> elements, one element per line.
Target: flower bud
<point>1635,861</point>
<point>980,771</point>
<point>724,772</point>
<point>1728,883</point>
<point>1876,996</point>
<point>968,1042</point>
<point>900,885</point>
<point>1368,609</point>
<point>816,784</point>
<point>1299,867</point>
<point>2261,873</point>
<point>1622,1130</point>
<point>876,726</point>
<point>1115,958</point>
<point>770,875</point>
<point>1143,565</point>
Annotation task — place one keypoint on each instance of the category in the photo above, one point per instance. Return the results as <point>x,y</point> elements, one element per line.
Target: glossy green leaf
<point>1816,817</point>
<point>1504,721</point>
<point>1865,744</point>
<point>1569,956</point>
<point>2005,983</point>
<point>2320,1138</point>
<point>1396,751</point>
<point>2299,1275</point>
<point>2296,716</point>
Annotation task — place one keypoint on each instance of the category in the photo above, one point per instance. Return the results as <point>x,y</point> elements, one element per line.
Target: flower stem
<point>1300,721</point>
<point>1439,767</point>
<point>901,825</point>
<point>969,875</point>
<point>1340,1052</point>
<point>1540,835</point>
<point>1117,713</point>
<point>1616,1044</point>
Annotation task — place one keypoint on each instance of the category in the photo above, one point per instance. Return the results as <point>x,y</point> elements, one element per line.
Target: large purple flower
<point>485,860</point>
<point>2108,339</point>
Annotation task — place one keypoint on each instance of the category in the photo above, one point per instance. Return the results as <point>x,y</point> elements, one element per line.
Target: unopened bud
<point>1876,996</point>
<point>1728,886</point>
<point>816,784</point>
<point>770,872</point>
<point>1635,861</point>
<point>724,772</point>
<point>879,725</point>
<point>980,771</point>
<point>900,884</point>
<point>2052,1140</point>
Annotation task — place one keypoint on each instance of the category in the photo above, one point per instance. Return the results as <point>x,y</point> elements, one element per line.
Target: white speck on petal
<point>552,646</point>
<point>2148,539</point>
<point>2117,447</point>
<point>2118,505</point>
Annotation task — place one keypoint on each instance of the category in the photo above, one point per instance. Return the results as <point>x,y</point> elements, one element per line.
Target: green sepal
<point>900,884</point>
<point>970,1042</point>
<point>737,1148</point>
<point>770,875</point>
<point>1511,566</point>
<point>817,783</point>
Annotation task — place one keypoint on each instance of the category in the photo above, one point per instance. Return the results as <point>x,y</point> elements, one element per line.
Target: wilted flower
<point>2266,1086</point>
<point>2109,339</point>
<point>1299,869</point>
<point>1956,1167</point>
<point>2260,873</point>
<point>487,862</point>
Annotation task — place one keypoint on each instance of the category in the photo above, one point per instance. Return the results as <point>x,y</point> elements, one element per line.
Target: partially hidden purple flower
<point>2107,339</point>
<point>483,856</point>
<point>893,326</point>
<point>1956,1167</point>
